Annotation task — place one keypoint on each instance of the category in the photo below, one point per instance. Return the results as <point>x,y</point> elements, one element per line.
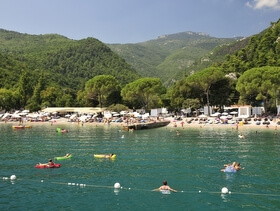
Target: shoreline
<point>176,125</point>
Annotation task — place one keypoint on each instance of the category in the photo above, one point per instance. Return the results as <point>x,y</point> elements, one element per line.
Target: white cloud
<point>260,4</point>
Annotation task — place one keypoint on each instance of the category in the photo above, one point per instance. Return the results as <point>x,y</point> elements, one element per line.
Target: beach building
<point>244,111</point>
<point>158,112</point>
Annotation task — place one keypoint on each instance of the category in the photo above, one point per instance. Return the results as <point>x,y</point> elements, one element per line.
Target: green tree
<point>178,93</point>
<point>205,80</point>
<point>100,87</point>
<point>118,108</point>
<point>50,95</point>
<point>259,85</point>
<point>65,100</point>
<point>7,99</point>
<point>144,92</point>
<point>34,103</point>
<point>193,104</point>
<point>24,90</point>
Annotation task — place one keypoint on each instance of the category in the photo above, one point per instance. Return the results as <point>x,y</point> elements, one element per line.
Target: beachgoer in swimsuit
<point>165,187</point>
<point>108,156</point>
<point>50,163</point>
<point>234,167</point>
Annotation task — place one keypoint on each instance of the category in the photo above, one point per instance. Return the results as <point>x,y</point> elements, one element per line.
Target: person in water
<point>67,155</point>
<point>108,156</point>
<point>165,187</point>
<point>234,167</point>
<point>50,163</point>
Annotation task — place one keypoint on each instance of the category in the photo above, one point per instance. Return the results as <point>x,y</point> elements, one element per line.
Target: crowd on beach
<point>24,117</point>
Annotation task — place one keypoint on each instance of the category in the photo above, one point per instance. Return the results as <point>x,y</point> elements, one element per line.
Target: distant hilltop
<point>184,33</point>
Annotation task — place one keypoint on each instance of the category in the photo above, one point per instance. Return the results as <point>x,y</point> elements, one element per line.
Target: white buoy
<point>199,191</point>
<point>117,185</point>
<point>224,190</point>
<point>13,177</point>
<point>42,180</point>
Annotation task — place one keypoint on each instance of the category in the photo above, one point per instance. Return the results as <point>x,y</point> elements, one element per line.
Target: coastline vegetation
<point>38,71</point>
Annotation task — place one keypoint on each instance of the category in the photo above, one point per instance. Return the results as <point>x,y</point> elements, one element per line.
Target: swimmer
<point>50,163</point>
<point>234,167</point>
<point>108,156</point>
<point>67,155</point>
<point>165,187</point>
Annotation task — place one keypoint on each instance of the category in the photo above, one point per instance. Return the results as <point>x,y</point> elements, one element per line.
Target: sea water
<point>190,161</point>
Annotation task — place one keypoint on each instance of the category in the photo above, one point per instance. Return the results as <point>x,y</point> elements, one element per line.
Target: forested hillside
<point>37,71</point>
<point>56,55</point>
<point>168,57</point>
<point>60,63</point>
<point>263,49</point>
<point>250,75</point>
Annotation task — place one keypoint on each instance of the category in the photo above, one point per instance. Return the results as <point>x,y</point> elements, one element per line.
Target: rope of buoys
<point>117,186</point>
<point>12,177</point>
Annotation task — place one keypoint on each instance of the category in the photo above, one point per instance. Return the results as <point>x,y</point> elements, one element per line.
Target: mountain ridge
<point>168,56</point>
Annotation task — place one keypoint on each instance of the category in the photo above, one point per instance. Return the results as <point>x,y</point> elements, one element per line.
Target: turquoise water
<point>190,163</point>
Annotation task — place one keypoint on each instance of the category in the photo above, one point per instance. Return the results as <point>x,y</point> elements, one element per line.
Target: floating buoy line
<point>117,186</point>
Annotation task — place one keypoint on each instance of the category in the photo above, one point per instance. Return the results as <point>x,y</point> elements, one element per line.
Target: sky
<point>133,21</point>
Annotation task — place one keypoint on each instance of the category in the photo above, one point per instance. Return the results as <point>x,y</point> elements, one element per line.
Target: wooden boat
<point>147,125</point>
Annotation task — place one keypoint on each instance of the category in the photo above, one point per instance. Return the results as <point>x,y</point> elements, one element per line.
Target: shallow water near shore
<point>190,162</point>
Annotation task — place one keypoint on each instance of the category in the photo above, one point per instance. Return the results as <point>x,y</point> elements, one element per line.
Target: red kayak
<point>40,166</point>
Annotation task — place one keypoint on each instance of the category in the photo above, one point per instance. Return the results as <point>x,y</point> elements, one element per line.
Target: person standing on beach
<point>182,123</point>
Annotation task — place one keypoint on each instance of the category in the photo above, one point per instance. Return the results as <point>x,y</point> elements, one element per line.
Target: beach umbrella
<point>229,116</point>
<point>224,113</point>
<point>216,114</point>
<point>202,116</point>
<point>108,115</point>
<point>22,114</point>
<point>136,114</point>
<point>123,112</point>
<point>145,116</point>
<point>234,112</point>
<point>16,116</point>
<point>73,116</point>
<point>83,118</point>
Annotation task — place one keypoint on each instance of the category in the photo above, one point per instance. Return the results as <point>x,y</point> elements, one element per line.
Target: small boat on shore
<point>147,125</point>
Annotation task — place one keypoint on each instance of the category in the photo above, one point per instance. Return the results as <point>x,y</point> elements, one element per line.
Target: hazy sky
<point>132,21</point>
